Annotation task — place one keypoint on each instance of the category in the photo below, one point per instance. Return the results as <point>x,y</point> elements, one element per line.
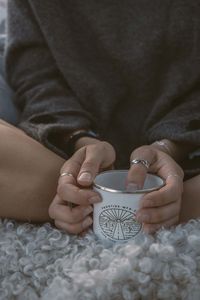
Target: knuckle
<point>104,144</point>
<point>179,171</point>
<point>88,164</point>
<point>97,148</point>
<point>164,197</point>
<point>107,146</point>
<point>152,202</point>
<point>144,148</point>
<point>156,216</point>
<point>61,190</point>
<point>144,151</point>
<point>83,196</point>
<point>63,168</point>
<point>76,216</point>
<point>57,224</point>
<point>73,228</point>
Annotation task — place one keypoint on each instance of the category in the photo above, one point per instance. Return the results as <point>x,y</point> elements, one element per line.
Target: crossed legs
<point>29,174</point>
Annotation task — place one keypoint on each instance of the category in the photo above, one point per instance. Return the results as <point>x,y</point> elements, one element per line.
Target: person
<point>101,85</point>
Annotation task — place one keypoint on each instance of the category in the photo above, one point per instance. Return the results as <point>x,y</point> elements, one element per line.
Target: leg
<point>28,176</point>
<point>191,200</point>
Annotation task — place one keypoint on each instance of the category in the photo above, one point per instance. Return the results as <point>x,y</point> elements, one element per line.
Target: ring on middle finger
<point>144,162</point>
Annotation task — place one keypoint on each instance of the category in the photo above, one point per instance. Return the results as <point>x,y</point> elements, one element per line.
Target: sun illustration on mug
<point>119,223</point>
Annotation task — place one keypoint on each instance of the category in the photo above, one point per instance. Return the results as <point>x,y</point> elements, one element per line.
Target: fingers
<point>97,156</point>
<point>171,192</point>
<point>137,172</point>
<point>61,211</point>
<point>90,166</point>
<point>152,228</point>
<point>74,228</point>
<point>73,220</point>
<point>74,194</point>
<point>68,190</point>
<point>158,215</point>
<point>155,218</point>
<point>77,174</point>
<point>80,170</point>
<point>162,205</point>
<point>86,163</point>
<point>160,163</point>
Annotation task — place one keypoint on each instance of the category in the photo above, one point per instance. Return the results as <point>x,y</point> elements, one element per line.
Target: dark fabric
<point>2,16</point>
<point>127,69</point>
<point>8,111</point>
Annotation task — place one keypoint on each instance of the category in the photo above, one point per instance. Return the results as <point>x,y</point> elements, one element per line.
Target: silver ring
<point>144,162</point>
<point>66,174</point>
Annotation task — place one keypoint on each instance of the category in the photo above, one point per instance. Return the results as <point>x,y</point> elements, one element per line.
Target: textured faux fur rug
<point>41,262</point>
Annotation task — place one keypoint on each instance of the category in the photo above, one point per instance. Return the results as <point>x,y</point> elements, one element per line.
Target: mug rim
<point>142,191</point>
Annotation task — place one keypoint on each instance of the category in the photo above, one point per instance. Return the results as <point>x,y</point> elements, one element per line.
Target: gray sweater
<point>129,70</point>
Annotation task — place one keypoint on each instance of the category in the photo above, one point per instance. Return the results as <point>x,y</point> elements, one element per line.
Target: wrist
<point>166,146</point>
<point>84,141</point>
<point>176,150</point>
<point>79,139</point>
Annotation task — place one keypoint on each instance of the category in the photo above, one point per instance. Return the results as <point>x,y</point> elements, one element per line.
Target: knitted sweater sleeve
<point>49,108</point>
<point>179,122</point>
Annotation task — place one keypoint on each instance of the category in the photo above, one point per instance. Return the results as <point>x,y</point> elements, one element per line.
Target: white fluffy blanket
<point>41,262</point>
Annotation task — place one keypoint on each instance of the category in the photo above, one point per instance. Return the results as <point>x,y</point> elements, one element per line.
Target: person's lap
<point>29,151</point>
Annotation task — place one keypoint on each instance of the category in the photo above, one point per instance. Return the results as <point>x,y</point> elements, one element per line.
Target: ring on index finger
<point>70,204</point>
<point>144,162</point>
<point>66,174</point>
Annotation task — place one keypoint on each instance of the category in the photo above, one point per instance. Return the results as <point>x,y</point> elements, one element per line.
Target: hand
<point>75,188</point>
<point>162,207</point>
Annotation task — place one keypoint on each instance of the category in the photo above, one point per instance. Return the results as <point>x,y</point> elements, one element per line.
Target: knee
<point>9,129</point>
<point>9,135</point>
<point>4,137</point>
<point>3,129</point>
<point>2,122</point>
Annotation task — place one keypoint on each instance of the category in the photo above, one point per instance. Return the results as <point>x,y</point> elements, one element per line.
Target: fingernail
<point>132,187</point>
<point>87,222</point>
<point>95,199</point>
<point>87,211</point>
<point>142,218</point>
<point>85,176</point>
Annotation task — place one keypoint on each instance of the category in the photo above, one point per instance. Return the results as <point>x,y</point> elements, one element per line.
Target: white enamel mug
<point>114,217</point>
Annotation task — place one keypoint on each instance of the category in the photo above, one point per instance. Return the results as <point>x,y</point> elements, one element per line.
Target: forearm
<point>50,109</point>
